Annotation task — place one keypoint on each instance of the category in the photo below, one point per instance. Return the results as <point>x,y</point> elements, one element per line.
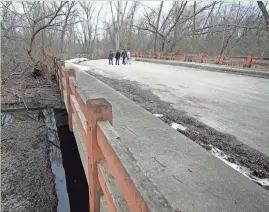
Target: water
<point>56,161</point>
<point>70,181</point>
<point>77,185</point>
<point>55,154</point>
<point>6,119</point>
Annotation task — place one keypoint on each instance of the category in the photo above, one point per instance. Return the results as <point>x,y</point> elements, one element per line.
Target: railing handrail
<point>104,144</point>
<point>248,61</point>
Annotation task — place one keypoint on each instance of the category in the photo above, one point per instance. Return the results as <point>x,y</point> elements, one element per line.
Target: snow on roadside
<point>69,65</point>
<point>243,170</point>
<point>77,60</point>
<point>177,126</point>
<point>158,115</point>
<point>223,157</point>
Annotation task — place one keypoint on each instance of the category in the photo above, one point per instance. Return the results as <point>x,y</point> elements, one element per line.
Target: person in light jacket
<point>128,57</point>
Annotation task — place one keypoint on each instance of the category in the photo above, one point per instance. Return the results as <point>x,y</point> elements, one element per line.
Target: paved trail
<point>238,105</point>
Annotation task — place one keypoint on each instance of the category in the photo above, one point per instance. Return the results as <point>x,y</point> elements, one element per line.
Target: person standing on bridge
<point>128,57</point>
<point>117,56</point>
<point>123,54</point>
<point>110,57</point>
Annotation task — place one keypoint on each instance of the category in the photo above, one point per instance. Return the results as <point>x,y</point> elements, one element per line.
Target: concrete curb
<point>211,67</point>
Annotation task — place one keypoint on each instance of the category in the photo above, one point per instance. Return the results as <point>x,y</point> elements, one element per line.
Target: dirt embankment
<point>27,182</point>
<point>26,90</point>
<point>200,133</point>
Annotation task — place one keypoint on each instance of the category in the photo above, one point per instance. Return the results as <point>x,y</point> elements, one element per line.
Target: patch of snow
<point>177,126</point>
<point>76,67</point>
<point>243,170</point>
<point>77,60</point>
<point>158,115</point>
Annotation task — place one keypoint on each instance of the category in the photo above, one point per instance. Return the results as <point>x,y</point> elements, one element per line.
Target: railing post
<point>185,57</point>
<point>221,59</point>
<point>68,93</point>
<point>98,110</point>
<point>201,59</point>
<point>248,62</point>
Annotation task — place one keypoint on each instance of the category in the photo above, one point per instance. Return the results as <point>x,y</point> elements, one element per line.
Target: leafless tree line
<point>29,29</point>
<point>214,28</point>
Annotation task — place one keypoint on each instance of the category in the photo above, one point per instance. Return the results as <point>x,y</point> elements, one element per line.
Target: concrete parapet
<point>109,166</point>
<point>189,177</point>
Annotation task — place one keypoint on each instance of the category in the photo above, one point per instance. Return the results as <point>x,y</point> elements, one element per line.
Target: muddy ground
<point>200,133</point>
<point>27,91</point>
<point>27,180</point>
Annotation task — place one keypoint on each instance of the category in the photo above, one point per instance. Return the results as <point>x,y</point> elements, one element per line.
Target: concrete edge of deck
<point>189,177</point>
<point>211,67</point>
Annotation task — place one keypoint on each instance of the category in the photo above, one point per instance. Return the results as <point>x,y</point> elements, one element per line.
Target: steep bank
<point>31,162</point>
<point>27,179</point>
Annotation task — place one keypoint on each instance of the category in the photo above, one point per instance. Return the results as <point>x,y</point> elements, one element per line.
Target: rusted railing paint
<point>99,150</point>
<point>132,196</point>
<point>247,62</point>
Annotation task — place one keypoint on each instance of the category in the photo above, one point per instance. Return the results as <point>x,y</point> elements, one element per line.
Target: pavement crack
<point>159,162</point>
<point>177,179</point>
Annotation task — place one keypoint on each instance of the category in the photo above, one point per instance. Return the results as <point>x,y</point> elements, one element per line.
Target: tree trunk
<point>193,26</point>
<point>264,13</point>
<point>62,38</point>
<point>131,27</point>
<point>157,27</point>
<point>164,46</point>
<point>117,33</point>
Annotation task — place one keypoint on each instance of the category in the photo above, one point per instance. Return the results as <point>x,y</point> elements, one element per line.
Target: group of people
<point>125,55</point>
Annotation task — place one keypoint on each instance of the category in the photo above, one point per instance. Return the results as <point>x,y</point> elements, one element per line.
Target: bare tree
<point>131,23</point>
<point>118,20</point>
<point>167,25</point>
<point>157,26</point>
<point>87,27</point>
<point>69,27</point>
<point>68,14</point>
<point>193,33</point>
<point>264,13</point>
<point>44,17</point>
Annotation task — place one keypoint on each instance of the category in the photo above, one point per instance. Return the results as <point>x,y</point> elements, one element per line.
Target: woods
<point>29,29</point>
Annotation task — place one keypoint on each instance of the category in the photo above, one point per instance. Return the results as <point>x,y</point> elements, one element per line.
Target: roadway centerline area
<point>174,95</point>
<point>233,104</point>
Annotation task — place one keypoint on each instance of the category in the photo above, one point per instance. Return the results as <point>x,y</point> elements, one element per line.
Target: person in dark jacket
<point>117,57</point>
<point>123,55</point>
<point>110,57</point>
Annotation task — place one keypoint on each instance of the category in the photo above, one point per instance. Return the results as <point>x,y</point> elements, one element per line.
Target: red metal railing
<point>247,62</point>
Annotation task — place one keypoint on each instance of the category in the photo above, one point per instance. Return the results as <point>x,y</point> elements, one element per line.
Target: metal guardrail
<point>111,170</point>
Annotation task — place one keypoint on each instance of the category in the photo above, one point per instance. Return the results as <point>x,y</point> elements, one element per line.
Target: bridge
<point>133,161</point>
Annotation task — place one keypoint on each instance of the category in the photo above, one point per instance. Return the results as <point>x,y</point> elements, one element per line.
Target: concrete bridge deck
<point>234,104</point>
<point>186,174</point>
<point>256,72</point>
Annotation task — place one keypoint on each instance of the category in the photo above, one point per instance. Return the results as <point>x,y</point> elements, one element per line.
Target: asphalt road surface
<point>234,104</point>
